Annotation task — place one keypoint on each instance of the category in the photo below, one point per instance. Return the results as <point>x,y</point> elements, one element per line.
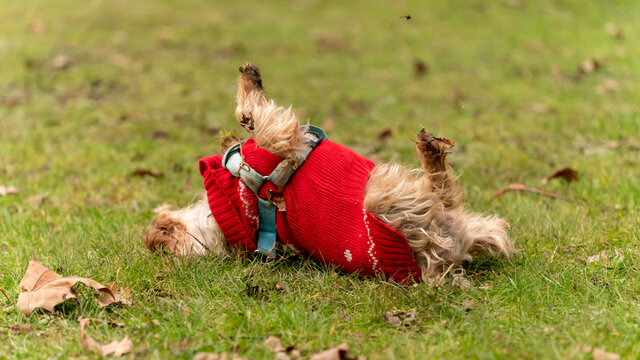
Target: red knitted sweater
<point>324,214</point>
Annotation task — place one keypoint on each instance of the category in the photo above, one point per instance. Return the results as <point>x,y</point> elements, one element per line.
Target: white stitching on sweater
<point>243,193</point>
<point>347,255</point>
<point>370,240</point>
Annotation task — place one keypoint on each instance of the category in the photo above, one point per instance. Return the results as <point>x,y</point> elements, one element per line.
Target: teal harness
<point>280,176</point>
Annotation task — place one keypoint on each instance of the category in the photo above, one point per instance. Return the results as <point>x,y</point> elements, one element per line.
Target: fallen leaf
<point>147,172</point>
<point>385,134</point>
<point>602,256</point>
<point>7,190</point>
<point>520,187</point>
<point>337,353</point>
<point>613,30</point>
<point>38,199</point>
<point>607,86</point>
<point>60,62</point>
<point>400,317</point>
<point>162,208</point>
<point>42,288</point>
<point>567,173</point>
<point>274,344</point>
<point>468,304</point>
<point>115,348</point>
<point>157,135</point>
<point>37,27</point>
<point>599,354</point>
<point>214,356</point>
<point>420,68</point>
<point>589,65</point>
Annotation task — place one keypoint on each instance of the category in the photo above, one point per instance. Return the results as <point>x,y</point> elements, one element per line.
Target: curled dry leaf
<point>420,68</point>
<point>337,353</point>
<point>468,304</point>
<point>60,62</point>
<point>613,30</point>
<point>146,172</point>
<point>115,348</point>
<point>7,190</point>
<point>602,256</point>
<point>567,173</point>
<point>214,356</point>
<point>599,354</point>
<point>42,288</point>
<point>589,65</point>
<point>274,344</point>
<point>400,317</point>
<point>385,134</point>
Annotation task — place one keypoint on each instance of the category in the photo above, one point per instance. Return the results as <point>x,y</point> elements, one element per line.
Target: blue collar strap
<point>280,176</point>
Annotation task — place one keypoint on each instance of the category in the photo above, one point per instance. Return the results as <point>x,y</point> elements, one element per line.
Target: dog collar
<point>233,161</point>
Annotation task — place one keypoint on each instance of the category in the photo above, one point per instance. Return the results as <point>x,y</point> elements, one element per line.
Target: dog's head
<point>189,231</point>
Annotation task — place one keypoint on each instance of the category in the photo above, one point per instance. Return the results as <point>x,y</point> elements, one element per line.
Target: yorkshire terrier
<point>287,184</point>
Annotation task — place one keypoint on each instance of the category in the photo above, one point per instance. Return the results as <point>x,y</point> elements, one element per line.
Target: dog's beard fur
<point>424,205</point>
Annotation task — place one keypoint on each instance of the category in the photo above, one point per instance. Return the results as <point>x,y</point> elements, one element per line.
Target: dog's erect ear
<point>250,95</point>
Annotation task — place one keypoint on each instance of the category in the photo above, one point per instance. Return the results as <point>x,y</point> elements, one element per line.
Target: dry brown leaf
<point>420,68</point>
<point>60,62</point>
<point>589,65</point>
<point>42,288</point>
<point>38,199</point>
<point>613,30</point>
<point>147,172</point>
<point>520,187</point>
<point>115,348</point>
<point>385,134</point>
<point>7,190</point>
<point>274,344</point>
<point>602,256</point>
<point>599,354</point>
<point>567,173</point>
<point>214,356</point>
<point>468,304</point>
<point>607,86</point>
<point>400,317</point>
<point>337,353</point>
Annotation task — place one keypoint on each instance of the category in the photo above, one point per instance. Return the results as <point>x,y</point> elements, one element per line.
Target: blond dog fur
<point>425,205</point>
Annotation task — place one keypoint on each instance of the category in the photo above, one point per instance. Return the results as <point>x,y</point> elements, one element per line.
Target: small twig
<point>5,294</point>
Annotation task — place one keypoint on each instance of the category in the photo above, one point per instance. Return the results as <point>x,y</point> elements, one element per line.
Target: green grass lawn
<point>92,90</point>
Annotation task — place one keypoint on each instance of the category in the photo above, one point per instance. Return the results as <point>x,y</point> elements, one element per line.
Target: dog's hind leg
<point>433,152</point>
<point>273,127</point>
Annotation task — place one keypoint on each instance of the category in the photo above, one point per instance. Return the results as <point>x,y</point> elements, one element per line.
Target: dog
<point>287,184</point>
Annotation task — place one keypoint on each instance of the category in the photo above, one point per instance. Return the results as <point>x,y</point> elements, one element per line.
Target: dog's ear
<point>250,95</point>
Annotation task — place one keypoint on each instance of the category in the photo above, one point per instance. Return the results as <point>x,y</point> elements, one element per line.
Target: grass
<point>146,80</point>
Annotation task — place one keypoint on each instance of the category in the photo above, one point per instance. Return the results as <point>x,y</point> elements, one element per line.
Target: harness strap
<point>280,176</point>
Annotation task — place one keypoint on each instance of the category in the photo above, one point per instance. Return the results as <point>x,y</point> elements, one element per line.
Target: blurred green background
<point>92,91</point>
